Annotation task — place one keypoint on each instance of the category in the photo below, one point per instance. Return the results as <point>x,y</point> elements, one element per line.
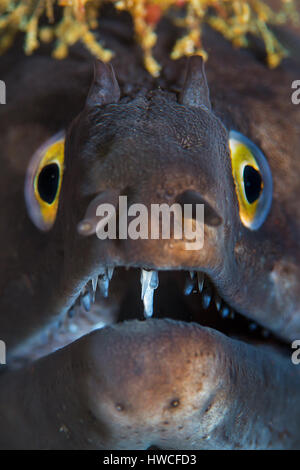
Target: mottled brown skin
<point>152,148</point>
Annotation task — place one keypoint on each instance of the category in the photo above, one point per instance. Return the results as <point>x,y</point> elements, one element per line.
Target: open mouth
<point>174,366</point>
<point>121,294</point>
<point>165,368</point>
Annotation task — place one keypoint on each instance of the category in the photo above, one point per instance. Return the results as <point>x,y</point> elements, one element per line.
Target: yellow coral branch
<point>233,18</point>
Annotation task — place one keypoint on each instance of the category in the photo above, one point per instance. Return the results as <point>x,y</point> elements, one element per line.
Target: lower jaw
<point>178,385</point>
<point>231,393</point>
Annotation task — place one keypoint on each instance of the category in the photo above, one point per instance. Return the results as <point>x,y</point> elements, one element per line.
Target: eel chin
<point>177,369</point>
<point>176,385</point>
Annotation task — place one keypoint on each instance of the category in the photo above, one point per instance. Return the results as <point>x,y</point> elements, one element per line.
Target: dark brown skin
<point>153,145</point>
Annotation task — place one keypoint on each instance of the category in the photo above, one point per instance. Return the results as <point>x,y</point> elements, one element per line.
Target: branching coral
<point>79,19</point>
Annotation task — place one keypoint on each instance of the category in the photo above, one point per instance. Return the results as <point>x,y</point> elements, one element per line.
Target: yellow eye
<point>253,180</point>
<point>43,182</point>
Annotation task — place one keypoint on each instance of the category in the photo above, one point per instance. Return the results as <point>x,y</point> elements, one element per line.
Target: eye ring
<point>43,182</point>
<point>253,180</point>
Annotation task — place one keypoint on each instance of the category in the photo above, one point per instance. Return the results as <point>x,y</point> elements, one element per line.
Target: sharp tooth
<point>103,283</point>
<point>192,274</point>
<point>94,283</point>
<point>110,272</point>
<point>148,303</point>
<point>189,286</point>
<point>206,296</point>
<point>103,280</point>
<point>200,279</point>
<point>148,279</point>
<point>94,287</point>
<point>232,315</point>
<point>86,301</point>
<point>149,282</point>
<point>218,302</point>
<point>145,277</point>
<point>154,280</point>
<point>225,311</point>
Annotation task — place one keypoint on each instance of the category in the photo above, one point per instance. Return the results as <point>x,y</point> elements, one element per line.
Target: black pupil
<point>252,183</point>
<point>48,182</point>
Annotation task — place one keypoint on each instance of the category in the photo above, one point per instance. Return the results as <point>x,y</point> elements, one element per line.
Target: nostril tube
<point>193,198</point>
<point>87,226</point>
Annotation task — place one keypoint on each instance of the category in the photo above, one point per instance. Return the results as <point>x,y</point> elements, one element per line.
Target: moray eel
<point>211,369</point>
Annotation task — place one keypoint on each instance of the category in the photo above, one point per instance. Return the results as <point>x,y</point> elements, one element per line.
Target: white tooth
<point>86,301</point>
<point>154,280</point>
<point>110,272</point>
<point>103,280</point>
<point>206,296</point>
<point>145,281</point>
<point>218,302</point>
<point>149,282</point>
<point>200,277</point>
<point>148,303</point>
<point>225,311</point>
<point>94,287</point>
<point>103,283</point>
<point>192,274</point>
<point>94,283</point>
<point>189,286</point>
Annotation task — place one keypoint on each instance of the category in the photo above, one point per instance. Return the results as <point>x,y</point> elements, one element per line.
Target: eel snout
<point>160,383</point>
